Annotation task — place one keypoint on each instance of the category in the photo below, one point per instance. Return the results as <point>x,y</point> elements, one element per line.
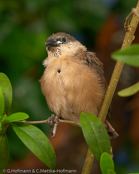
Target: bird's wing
<point>90,59</point>
<point>93,62</point>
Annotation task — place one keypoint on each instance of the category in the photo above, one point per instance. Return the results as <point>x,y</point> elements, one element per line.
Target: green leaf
<point>4,152</point>
<point>37,142</point>
<point>4,117</point>
<point>129,55</point>
<point>106,162</point>
<point>95,134</point>
<point>1,102</point>
<point>16,117</point>
<point>7,91</point>
<point>129,91</point>
<point>111,172</point>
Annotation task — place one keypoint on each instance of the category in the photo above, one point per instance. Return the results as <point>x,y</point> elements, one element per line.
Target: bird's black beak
<point>51,42</point>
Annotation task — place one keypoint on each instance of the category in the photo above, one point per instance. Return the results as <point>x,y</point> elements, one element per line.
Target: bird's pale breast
<point>70,87</point>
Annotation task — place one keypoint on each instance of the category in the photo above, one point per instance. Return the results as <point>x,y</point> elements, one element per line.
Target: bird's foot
<point>54,122</point>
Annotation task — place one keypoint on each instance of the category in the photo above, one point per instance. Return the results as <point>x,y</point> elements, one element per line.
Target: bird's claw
<point>54,122</point>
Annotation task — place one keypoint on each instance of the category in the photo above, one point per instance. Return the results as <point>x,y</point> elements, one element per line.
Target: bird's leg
<point>54,122</point>
<point>111,130</point>
<point>55,126</point>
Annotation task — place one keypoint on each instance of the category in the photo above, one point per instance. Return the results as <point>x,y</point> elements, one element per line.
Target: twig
<point>46,121</point>
<point>126,24</point>
<point>70,122</point>
<point>33,122</point>
<point>129,36</point>
<point>111,129</point>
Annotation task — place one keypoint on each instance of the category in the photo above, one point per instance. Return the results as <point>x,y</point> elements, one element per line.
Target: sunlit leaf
<point>4,151</point>
<point>106,163</point>
<point>7,91</point>
<point>129,91</point>
<point>129,55</point>
<point>95,134</point>
<point>16,117</point>
<point>1,103</point>
<point>37,142</point>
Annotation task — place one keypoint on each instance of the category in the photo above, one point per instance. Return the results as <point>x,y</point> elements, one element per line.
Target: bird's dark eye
<point>63,39</point>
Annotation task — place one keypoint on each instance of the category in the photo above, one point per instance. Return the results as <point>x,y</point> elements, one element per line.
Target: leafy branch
<point>129,37</point>
<point>129,56</point>
<point>30,135</point>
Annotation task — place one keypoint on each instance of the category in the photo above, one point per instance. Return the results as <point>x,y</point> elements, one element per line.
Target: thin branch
<point>33,122</point>
<point>111,129</point>
<point>70,122</point>
<point>46,121</point>
<point>129,37</point>
<point>126,24</point>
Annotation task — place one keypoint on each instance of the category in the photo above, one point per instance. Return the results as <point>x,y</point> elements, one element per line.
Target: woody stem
<point>129,37</point>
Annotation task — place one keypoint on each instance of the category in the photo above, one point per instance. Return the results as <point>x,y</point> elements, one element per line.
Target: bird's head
<point>62,44</point>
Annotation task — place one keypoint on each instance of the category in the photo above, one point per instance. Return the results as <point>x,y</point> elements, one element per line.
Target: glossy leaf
<point>129,55</point>
<point>129,91</point>
<point>4,152</point>
<point>111,172</point>
<point>106,163</point>
<point>37,142</point>
<point>7,91</point>
<point>16,117</point>
<point>95,134</point>
<point>1,102</point>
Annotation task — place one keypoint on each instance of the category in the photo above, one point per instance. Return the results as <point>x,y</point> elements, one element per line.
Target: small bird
<point>73,81</point>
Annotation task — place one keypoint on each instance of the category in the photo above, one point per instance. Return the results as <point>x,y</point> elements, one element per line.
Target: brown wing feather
<point>90,59</point>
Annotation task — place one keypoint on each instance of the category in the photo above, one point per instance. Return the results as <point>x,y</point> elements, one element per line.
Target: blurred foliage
<point>24,27</point>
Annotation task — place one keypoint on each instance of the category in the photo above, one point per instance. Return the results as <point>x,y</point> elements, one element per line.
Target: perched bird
<point>73,81</point>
